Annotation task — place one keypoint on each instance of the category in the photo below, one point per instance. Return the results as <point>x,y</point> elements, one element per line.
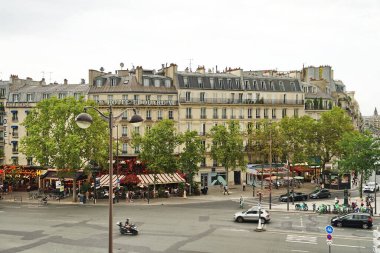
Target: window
<point>296,113</point>
<point>99,82</point>
<point>110,98</point>
<point>29,161</point>
<point>246,84</point>
<point>250,126</point>
<point>15,160</point>
<point>124,131</point>
<point>29,97</point>
<point>159,115</point>
<point>249,113</point>
<point>95,98</point>
<point>137,149</point>
<point>263,86</point>
<point>271,84</point>
<point>266,113</point>
<point>188,113</point>
<point>170,98</point>
<point>16,97</point>
<point>257,113</point>
<point>136,98</point>
<point>125,115</point>
<point>189,126</point>
<point>77,96</point>
<point>186,82</point>
<point>2,93</point>
<point>14,131</point>
<point>273,113</point>
<point>232,114</point>
<point>170,113</point>
<point>212,83</point>
<point>137,130</point>
<point>148,115</point>
<point>200,82</point>
<point>220,83</point>
<point>293,86</point>
<point>188,97</point>
<point>124,148</point>
<point>147,129</point>
<point>284,112</point>
<point>240,97</point>
<point>237,83</point>
<point>255,87</point>
<point>202,97</point>
<point>203,129</point>
<point>224,113</point>
<point>14,147</point>
<point>284,99</point>
<point>14,116</point>
<point>125,98</point>
<point>45,95</point>
<point>157,83</point>
<point>241,114</point>
<point>61,95</point>
<point>203,112</point>
<point>159,97</point>
<point>147,97</point>
<point>282,88</point>
<point>146,82</point>
<point>215,113</point>
<point>167,83</point>
<point>113,81</point>
<point>229,81</point>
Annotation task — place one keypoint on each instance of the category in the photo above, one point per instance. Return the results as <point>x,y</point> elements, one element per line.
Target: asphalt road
<point>186,228</point>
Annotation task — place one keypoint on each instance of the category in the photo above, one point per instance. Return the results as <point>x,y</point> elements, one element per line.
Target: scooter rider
<point>127,225</point>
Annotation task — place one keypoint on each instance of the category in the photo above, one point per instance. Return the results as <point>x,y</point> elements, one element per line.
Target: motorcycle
<point>130,230</point>
<point>302,207</point>
<point>44,200</point>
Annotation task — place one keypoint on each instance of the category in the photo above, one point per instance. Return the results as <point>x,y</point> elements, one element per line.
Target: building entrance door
<point>204,180</point>
<point>237,177</point>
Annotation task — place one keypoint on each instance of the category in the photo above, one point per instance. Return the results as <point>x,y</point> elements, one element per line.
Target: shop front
<point>334,180</point>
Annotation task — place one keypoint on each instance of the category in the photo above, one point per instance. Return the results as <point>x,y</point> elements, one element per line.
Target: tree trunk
<point>361,185</point>
<point>226,175</point>
<point>75,190</point>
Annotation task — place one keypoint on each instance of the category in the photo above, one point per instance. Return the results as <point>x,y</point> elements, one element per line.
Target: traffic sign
<point>329,242</point>
<point>329,229</point>
<point>329,237</point>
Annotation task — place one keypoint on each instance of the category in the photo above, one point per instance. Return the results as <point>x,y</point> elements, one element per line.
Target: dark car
<point>319,194</point>
<point>297,196</point>
<point>356,220</point>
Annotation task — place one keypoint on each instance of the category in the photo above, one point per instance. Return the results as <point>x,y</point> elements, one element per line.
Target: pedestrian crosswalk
<point>301,239</point>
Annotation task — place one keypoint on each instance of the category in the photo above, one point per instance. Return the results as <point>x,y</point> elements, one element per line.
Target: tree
<point>54,139</point>
<point>329,131</point>
<point>360,153</point>
<point>157,148</point>
<point>191,155</point>
<point>227,146</point>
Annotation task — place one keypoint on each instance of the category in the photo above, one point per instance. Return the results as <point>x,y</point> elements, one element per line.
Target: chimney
<point>65,81</point>
<point>139,74</point>
<point>82,81</point>
<point>170,72</point>
<point>201,70</point>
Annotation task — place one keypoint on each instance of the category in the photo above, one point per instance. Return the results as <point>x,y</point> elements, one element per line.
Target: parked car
<point>297,196</point>
<point>252,214</point>
<point>361,220</point>
<point>370,187</point>
<point>319,194</point>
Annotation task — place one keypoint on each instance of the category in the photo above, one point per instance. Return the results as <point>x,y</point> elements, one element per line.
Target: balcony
<point>203,117</point>
<point>14,151</point>
<point>242,101</point>
<point>189,117</point>
<point>171,117</point>
<point>159,118</point>
<point>215,116</point>
<point>224,116</point>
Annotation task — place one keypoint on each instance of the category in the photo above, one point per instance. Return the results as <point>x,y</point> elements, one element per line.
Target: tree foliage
<point>192,153</point>
<point>54,140</point>
<point>227,146</point>
<point>360,153</point>
<point>157,147</point>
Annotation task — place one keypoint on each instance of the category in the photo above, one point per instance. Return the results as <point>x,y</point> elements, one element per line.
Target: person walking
<point>241,202</point>
<point>244,186</point>
<point>226,190</point>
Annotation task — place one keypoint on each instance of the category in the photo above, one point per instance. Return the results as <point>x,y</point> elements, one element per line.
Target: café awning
<point>105,180</point>
<point>148,179</point>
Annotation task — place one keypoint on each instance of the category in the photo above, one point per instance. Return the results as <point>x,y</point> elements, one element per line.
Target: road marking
<point>236,229</point>
<point>350,246</point>
<point>301,239</point>
<point>298,250</point>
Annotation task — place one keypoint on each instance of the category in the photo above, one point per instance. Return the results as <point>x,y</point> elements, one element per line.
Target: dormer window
<point>237,83</point>
<point>99,83</point>
<point>229,83</point>
<point>200,82</point>
<point>29,97</point>
<point>61,95</point>
<point>157,83</point>
<point>255,85</point>
<point>146,82</point>
<point>220,83</point>
<point>246,84</point>
<point>212,83</point>
<point>45,96</point>
<point>113,81</point>
<point>271,84</point>
<point>186,82</point>
<point>167,83</point>
<point>282,88</point>
<point>16,97</point>
<point>293,86</point>
<point>263,87</point>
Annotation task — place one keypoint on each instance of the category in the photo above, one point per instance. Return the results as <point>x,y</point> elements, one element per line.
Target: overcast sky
<point>64,39</point>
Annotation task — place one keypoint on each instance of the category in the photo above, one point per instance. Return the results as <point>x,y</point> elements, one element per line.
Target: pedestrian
<point>226,190</point>
<point>241,201</point>
<point>244,186</point>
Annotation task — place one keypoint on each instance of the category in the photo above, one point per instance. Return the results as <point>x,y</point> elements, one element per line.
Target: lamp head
<point>136,120</point>
<point>83,120</point>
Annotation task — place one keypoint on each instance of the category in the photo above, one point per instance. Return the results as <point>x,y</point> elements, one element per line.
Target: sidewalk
<point>215,193</point>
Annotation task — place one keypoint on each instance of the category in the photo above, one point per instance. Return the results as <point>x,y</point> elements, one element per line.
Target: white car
<point>252,214</point>
<point>370,187</point>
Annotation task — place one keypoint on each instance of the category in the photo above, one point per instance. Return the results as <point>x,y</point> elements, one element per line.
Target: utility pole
<point>270,165</point>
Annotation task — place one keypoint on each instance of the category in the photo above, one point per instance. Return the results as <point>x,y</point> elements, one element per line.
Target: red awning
<point>301,169</point>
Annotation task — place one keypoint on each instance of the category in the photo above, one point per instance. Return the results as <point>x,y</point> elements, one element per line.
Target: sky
<point>64,39</point>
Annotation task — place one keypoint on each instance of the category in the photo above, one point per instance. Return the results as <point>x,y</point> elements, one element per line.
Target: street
<point>187,228</point>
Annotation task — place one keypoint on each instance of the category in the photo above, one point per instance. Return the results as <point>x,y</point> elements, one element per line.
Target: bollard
<point>314,207</point>
<point>329,208</point>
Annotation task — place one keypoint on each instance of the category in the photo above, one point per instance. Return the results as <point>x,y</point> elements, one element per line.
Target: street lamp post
<point>270,167</point>
<point>84,120</point>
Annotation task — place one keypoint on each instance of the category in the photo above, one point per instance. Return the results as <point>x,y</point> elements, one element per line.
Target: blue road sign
<point>329,237</point>
<point>329,229</point>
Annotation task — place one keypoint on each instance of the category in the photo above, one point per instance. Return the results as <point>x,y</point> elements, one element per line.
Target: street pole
<point>287,199</point>
<point>270,166</point>
<point>110,192</point>
<point>375,188</point>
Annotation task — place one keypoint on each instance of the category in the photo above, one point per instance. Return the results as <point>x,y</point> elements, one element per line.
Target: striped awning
<point>105,180</point>
<point>148,179</point>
